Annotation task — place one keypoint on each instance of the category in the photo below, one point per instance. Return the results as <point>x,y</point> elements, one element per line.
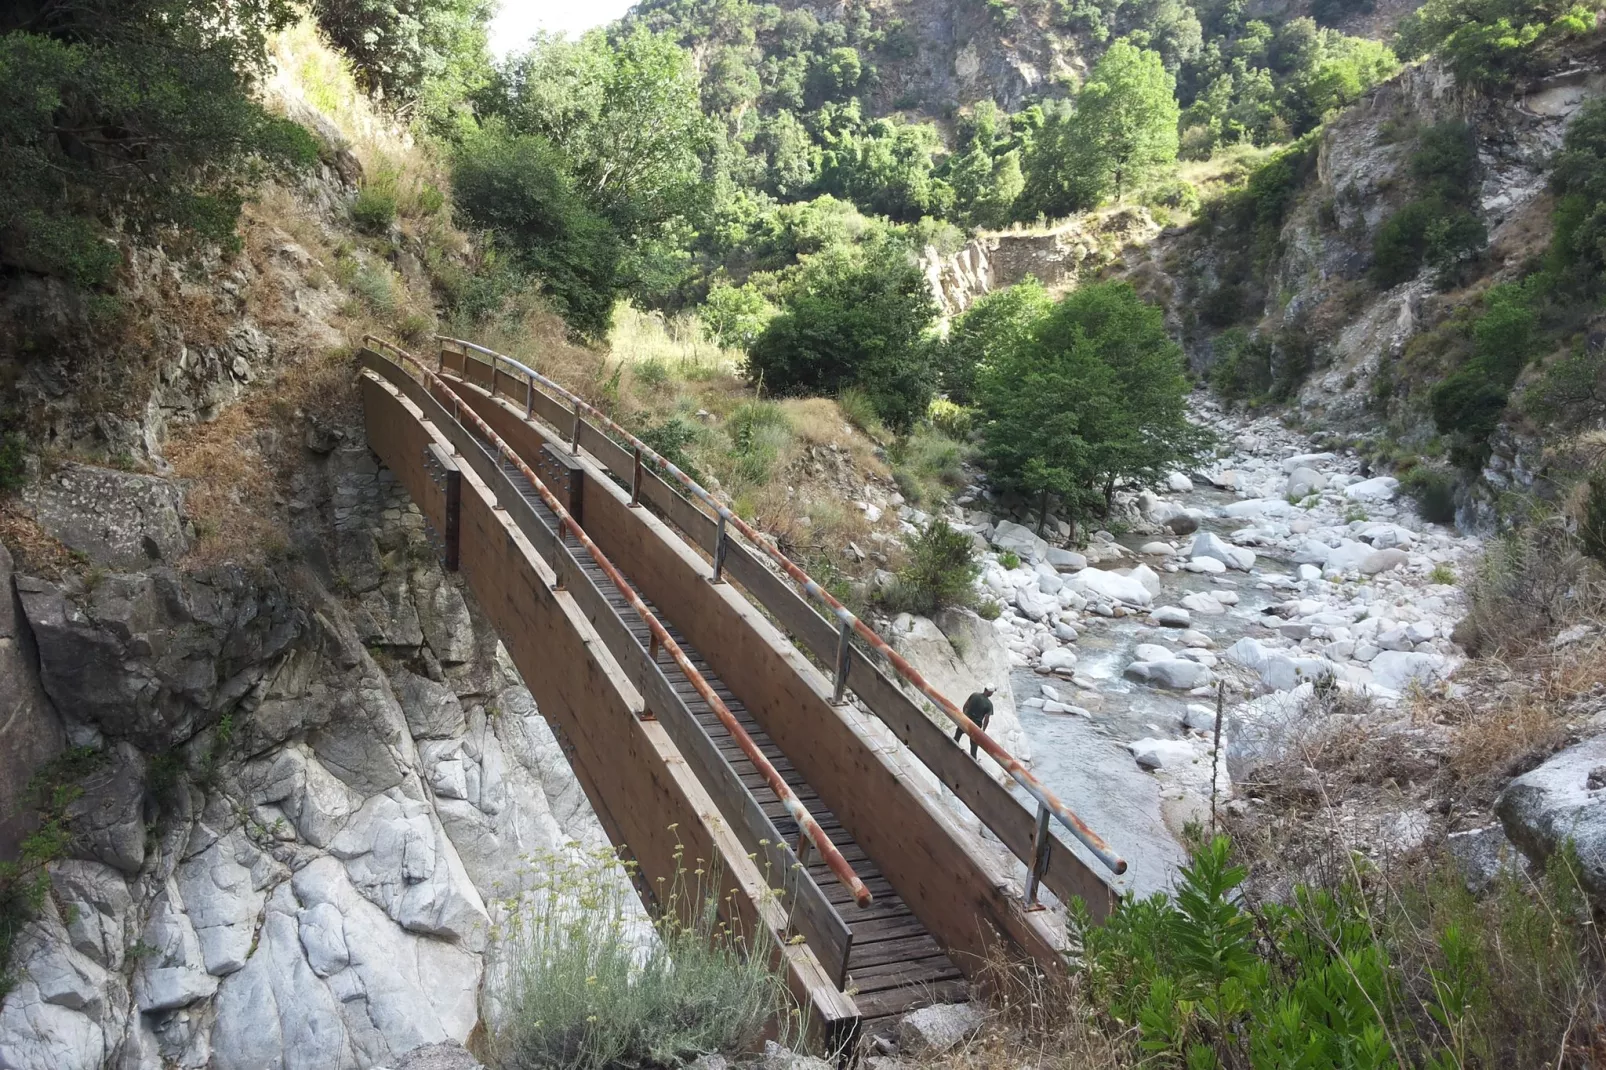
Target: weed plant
<point>581,981</point>
<point>1361,971</point>
<point>941,572</point>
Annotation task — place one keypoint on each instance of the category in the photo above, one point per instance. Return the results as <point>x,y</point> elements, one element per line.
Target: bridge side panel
<point>649,801</point>
<point>943,883</point>
<point>1067,874</point>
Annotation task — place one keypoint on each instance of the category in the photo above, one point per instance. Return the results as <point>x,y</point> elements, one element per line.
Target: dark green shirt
<point>979,708</point>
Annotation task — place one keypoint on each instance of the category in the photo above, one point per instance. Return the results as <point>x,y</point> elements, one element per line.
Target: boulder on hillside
<point>1562,800</point>
<point>1020,540</point>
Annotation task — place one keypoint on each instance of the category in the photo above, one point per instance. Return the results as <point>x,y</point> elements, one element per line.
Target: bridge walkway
<point>893,963</point>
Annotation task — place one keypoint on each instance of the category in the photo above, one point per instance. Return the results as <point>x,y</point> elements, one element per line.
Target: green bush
<point>759,432</point>
<point>1363,972</point>
<point>374,209</point>
<point>518,187</point>
<point>1531,582</point>
<point>853,321</point>
<point>941,572</point>
<point>927,465</point>
<point>580,983</point>
<point>859,410</point>
<point>670,439</point>
<point>1433,490</point>
<point>377,288</point>
<point>13,462</point>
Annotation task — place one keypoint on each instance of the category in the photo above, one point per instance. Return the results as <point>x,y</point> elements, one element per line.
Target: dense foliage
<point>1090,398</point>
<point>130,113</point>
<point>423,56</point>
<point>1358,972</point>
<point>852,321</point>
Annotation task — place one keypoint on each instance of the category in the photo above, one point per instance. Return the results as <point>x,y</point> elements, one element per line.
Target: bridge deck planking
<point>902,977</point>
<point>917,971</point>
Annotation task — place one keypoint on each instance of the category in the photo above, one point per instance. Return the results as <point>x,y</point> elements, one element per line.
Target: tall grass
<point>580,981</point>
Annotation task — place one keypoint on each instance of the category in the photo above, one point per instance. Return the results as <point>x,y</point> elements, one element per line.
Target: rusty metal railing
<point>809,828</point>
<point>849,624</point>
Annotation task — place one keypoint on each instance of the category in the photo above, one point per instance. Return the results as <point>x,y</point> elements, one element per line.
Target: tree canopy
<point>1091,397</point>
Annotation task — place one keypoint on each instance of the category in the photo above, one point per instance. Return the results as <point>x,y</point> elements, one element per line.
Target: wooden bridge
<point>706,706</point>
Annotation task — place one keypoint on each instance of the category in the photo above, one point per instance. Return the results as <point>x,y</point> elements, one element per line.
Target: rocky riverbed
<point>1271,571</point>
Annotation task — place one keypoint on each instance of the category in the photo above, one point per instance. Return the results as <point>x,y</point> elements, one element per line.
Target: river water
<point>1085,761</point>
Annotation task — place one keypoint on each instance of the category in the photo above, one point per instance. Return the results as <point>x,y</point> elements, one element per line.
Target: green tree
<point>626,116</point>
<point>853,318</point>
<point>420,55</point>
<point>735,315</point>
<point>1092,397</point>
<point>997,323</point>
<point>1123,128</point>
<point>137,116</point>
<point>517,186</point>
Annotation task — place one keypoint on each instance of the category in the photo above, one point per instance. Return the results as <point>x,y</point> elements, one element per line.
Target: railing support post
<point>844,647</point>
<point>574,436</point>
<point>1041,844</point>
<point>635,481</point>
<point>719,551</point>
<point>529,396</point>
<point>493,377</point>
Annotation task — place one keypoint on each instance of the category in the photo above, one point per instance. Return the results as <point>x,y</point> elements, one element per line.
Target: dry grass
<point>238,467</point>
<point>33,549</point>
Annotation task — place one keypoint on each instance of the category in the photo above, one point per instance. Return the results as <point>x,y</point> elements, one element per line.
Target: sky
<point>518,20</point>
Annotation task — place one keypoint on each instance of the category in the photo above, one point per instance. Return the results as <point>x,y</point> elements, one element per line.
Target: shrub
<point>941,572</point>
<point>579,983</point>
<point>1442,574</point>
<point>1359,971</point>
<point>735,315</point>
<point>373,283</point>
<point>1529,584</point>
<point>927,464</point>
<point>759,432</point>
<point>1433,490</point>
<point>1008,560</point>
<point>670,440</point>
<point>852,322</point>
<point>955,421</point>
<point>13,462</point>
<point>374,209</point>
<point>859,410</point>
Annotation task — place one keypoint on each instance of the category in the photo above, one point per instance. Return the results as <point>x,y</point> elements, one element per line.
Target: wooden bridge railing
<point>1048,859</point>
<point>637,779</point>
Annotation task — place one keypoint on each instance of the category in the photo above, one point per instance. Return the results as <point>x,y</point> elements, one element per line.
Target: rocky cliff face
<point>306,783</point>
<point>1057,257</point>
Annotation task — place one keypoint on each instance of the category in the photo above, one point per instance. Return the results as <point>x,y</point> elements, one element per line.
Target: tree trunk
<point>1042,513</point>
<point>1109,496</point>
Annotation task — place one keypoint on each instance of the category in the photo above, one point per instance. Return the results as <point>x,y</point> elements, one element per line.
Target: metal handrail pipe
<point>783,791</point>
<point>1008,762</point>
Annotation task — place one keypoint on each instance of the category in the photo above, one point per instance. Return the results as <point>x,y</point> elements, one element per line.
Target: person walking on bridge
<point>979,708</point>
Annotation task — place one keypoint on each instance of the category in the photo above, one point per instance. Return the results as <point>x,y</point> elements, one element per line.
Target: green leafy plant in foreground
<point>1360,973</point>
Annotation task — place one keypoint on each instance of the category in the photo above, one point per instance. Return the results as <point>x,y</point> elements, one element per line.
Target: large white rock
<point>934,1030</point>
<point>1305,481</point>
<point>223,891</point>
<point>1110,586</point>
<point>1033,604</point>
<point>1065,560</point>
<point>1203,604</point>
<point>1397,669</point>
<point>1380,489</point>
<point>1163,753</point>
<point>1307,460</point>
<point>1207,545</point>
<point>1559,802</point>
<point>1172,617</point>
<point>1383,561</point>
<point>1020,540</point>
<point>1061,660</point>
<point>1175,675</point>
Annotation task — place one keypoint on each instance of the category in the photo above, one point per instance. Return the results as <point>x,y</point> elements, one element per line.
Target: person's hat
<point>989,689</point>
